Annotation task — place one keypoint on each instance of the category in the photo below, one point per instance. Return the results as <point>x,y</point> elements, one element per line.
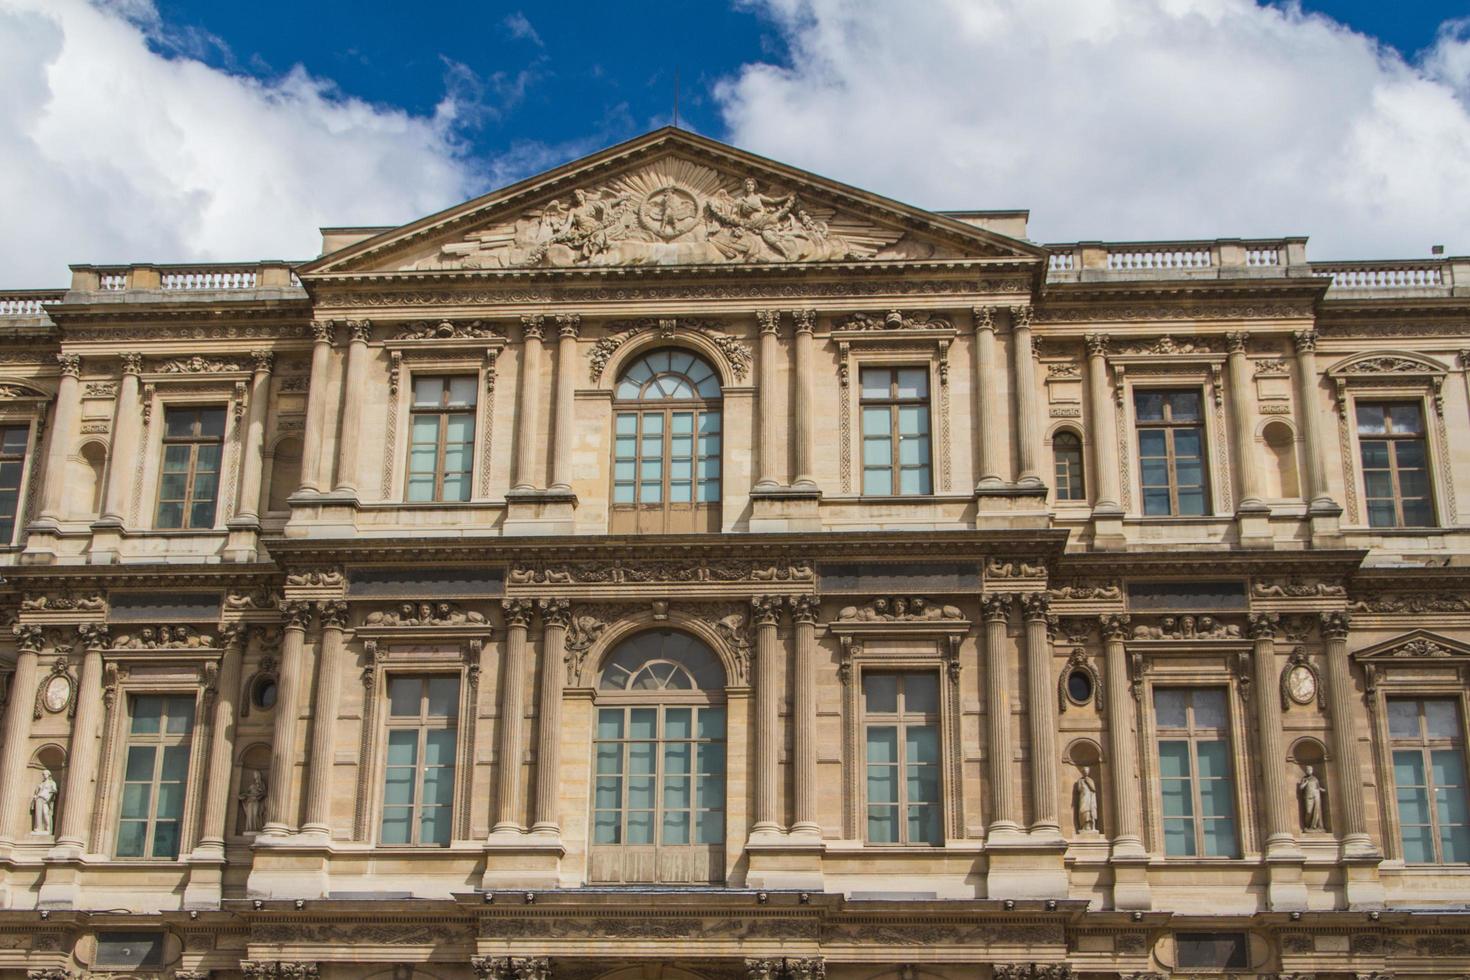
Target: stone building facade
<point>679,565</point>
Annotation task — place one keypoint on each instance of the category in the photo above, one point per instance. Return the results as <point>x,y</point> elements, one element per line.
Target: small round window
<point>263,693</point>
<point>1079,686</point>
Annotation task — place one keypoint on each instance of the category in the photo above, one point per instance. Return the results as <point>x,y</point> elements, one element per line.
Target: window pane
<point>1403,718</point>
<point>166,839</point>
<point>434,825</point>
<point>882,745</point>
<point>1372,419</point>
<point>880,692</point>
<point>428,392</point>
<point>462,391</point>
<point>921,693</point>
<point>397,824</point>
<point>875,382</point>
<point>147,715</point>
<point>1183,406</point>
<point>913,383</point>
<point>1405,419</point>
<point>921,745</point>
<point>1209,708</point>
<point>1149,405</point>
<point>403,696</point>
<point>1442,719</point>
<point>443,696</point>
<point>439,747</point>
<point>924,825</point>
<point>1169,706</point>
<point>131,835</point>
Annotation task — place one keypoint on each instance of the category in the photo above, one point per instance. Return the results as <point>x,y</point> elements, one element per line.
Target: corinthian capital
<point>568,325</point>
<point>71,365</point>
<point>518,612</point>
<point>533,326</point>
<point>996,607</point>
<point>766,609</point>
<point>1097,344</point>
<point>1114,626</point>
<point>554,612</point>
<point>1305,341</point>
<point>769,320</point>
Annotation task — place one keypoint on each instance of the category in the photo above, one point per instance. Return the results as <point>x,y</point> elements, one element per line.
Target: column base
<point>1020,868</point>
<point>1131,891</point>
<point>1253,525</point>
<point>784,509</point>
<point>61,888</point>
<point>289,868</point>
<point>1362,887</point>
<point>784,861</point>
<point>1010,506</point>
<point>1286,891</point>
<point>205,889</point>
<point>244,541</point>
<point>1107,528</point>
<point>515,860</point>
<point>539,512</point>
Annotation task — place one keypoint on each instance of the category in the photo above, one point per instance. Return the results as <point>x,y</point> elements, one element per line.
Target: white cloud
<point>112,152</point>
<point>1124,119</point>
<point>519,26</point>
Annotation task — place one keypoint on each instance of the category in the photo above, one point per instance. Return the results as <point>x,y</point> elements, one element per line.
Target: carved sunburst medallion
<point>668,212</point>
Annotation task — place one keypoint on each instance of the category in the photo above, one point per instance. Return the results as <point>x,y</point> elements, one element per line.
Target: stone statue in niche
<point>252,803</point>
<point>1084,802</point>
<point>43,805</point>
<point>1310,790</point>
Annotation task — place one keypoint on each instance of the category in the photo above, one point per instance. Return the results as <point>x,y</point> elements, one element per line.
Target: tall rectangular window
<point>895,407</point>
<point>188,487</point>
<point>660,776</point>
<point>1066,450</point>
<point>1395,464</point>
<point>1195,780</point>
<point>155,776</point>
<point>441,452</point>
<point>13,441</point>
<point>1429,779</point>
<point>901,734</point>
<point>1171,453</point>
<point>418,779</point>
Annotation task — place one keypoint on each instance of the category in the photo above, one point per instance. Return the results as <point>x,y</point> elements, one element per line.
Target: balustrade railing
<point>1159,258</point>
<point>28,302</point>
<point>1062,262</point>
<point>193,279</point>
<point>1384,276</point>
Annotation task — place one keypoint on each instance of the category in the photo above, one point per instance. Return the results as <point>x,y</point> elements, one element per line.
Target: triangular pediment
<point>671,198</point>
<point>1415,645</point>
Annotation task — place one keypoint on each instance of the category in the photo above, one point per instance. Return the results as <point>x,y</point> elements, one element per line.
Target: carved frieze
<point>1186,628</point>
<point>424,614</point>
<point>447,330</point>
<point>199,365</point>
<point>1411,602</point>
<point>164,638</point>
<point>1296,589</point>
<point>894,320</point>
<point>628,572</point>
<point>899,609</point>
<point>63,602</point>
<point>736,353</point>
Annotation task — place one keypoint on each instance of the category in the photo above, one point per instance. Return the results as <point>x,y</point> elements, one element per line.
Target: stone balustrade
<point>192,278</point>
<point>1160,258</point>
<point>28,302</point>
<point>1384,275</point>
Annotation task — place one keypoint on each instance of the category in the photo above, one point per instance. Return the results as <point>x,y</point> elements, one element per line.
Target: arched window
<point>658,805</point>
<point>1066,450</point>
<point>666,445</point>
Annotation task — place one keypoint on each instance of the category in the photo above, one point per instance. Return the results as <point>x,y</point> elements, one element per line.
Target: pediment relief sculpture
<point>899,609</point>
<point>163,638</point>
<point>1418,645</point>
<point>736,353</point>
<point>1187,628</point>
<point>894,320</point>
<point>712,570</point>
<point>674,211</point>
<point>1296,589</point>
<point>62,602</point>
<point>425,614</point>
<point>447,330</point>
<point>1412,603</point>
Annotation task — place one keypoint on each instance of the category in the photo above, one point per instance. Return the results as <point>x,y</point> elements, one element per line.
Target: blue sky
<point>184,130</point>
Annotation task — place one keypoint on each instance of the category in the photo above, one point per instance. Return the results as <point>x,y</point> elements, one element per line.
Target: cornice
<point>1206,564</point>
<point>32,578</point>
<point>1180,299</point>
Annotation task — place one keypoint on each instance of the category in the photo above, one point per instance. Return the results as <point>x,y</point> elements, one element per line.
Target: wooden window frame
<point>1156,734</point>
<point>422,724</point>
<point>161,741</point>
<point>194,441</point>
<point>895,403</point>
<point>443,412</point>
<point>902,720</point>
<point>1424,744</point>
<point>1170,427</point>
<point>23,459</point>
<point>1081,468</point>
<point>1392,439</point>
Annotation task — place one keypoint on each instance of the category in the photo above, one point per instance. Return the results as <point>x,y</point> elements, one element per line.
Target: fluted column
<point>1243,415</point>
<point>528,408</point>
<point>1028,401</point>
<point>804,610</point>
<point>1342,695</point>
<point>1041,716</point>
<point>63,436</point>
<point>316,409</point>
<point>211,835</point>
<point>563,436</point>
<point>510,747</point>
<point>771,468</point>
<point>248,507</point>
<point>767,611</point>
<point>1276,794</point>
<point>1000,747</point>
<point>1311,425</point>
<point>15,747</point>
<point>988,409</point>
<point>1102,425</point>
<point>1127,830</point>
<point>333,614</point>
<point>279,822</point>
<point>556,614</point>
<point>127,424</point>
<point>806,323</point>
<point>349,433</point>
<point>86,731</point>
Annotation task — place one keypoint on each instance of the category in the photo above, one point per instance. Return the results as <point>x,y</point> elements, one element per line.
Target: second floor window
<point>155,776</point>
<point>901,735</point>
<point>441,450</point>
<point>895,403</point>
<point>13,441</point>
<point>1429,779</point>
<point>1195,772</point>
<point>1171,453</point>
<point>1066,450</point>
<point>1395,464</point>
<point>418,777</point>
<point>188,487</point>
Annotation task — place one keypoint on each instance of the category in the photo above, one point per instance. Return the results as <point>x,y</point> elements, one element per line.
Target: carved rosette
<point>555,613</point>
<point>518,612</point>
<point>1335,625</point>
<point>766,609</point>
<point>333,614</point>
<point>297,613</point>
<point>996,607</point>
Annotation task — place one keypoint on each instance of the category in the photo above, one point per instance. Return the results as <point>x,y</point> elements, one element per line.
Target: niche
<point>251,789</point>
<point>52,759</point>
<point>1280,460</point>
<point>1312,804</point>
<point>1084,796</point>
<point>88,480</point>
<point>285,474</point>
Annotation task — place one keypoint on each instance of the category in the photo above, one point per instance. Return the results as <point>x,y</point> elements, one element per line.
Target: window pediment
<point>1416,646</point>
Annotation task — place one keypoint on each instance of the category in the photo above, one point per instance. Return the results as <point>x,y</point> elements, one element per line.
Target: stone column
<point>63,436</point>
<point>14,748</point>
<point>528,408</point>
<point>511,745</point>
<point>1041,718</point>
<point>1000,747</point>
<point>1276,794</point>
<point>1243,415</point>
<point>279,822</point>
<point>211,835</point>
<point>556,615</point>
<point>1103,427</point>
<point>333,615</point>
<point>127,427</point>
<point>350,429</point>
<point>771,468</point>
<point>1306,398</point>
<point>806,322</point>
<point>988,410</point>
<point>1127,829</point>
<point>1028,402</point>
<point>767,610</point>
<point>1352,823</point>
<point>564,436</point>
<point>86,732</point>
<point>316,408</point>
<point>804,610</point>
<point>248,508</point>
